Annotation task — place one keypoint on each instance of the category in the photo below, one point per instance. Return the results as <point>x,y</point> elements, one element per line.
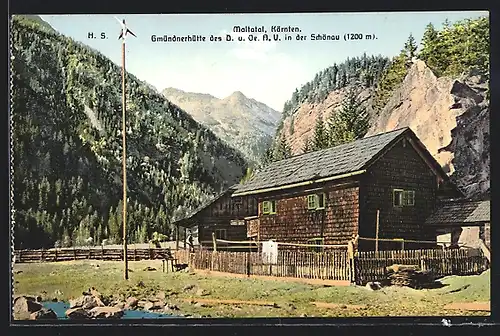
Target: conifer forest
<point>67,149</point>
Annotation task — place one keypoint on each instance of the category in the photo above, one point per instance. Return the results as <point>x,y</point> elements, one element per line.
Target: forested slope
<point>66,110</point>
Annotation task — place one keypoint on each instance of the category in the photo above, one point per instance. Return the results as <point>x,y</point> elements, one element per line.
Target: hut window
<point>269,207</point>
<point>398,197</point>
<point>321,201</point>
<point>220,234</point>
<point>316,202</point>
<point>311,202</point>
<point>410,197</point>
<point>403,197</point>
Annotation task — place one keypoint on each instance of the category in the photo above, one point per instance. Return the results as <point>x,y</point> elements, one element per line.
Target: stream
<point>60,309</point>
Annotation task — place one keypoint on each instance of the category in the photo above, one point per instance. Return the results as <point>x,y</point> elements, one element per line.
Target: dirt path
<point>231,302</point>
<point>473,306</point>
<point>337,305</point>
<point>272,278</point>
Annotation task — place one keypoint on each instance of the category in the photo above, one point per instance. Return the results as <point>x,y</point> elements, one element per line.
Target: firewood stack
<point>407,275</point>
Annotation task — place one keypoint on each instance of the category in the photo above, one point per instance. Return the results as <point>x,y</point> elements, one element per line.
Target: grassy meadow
<point>202,294</point>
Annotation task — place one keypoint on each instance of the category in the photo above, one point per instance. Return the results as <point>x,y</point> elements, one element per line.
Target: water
<point>60,309</point>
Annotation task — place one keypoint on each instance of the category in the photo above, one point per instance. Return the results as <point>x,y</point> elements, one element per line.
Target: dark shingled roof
<point>185,220</point>
<point>460,213</point>
<point>346,158</point>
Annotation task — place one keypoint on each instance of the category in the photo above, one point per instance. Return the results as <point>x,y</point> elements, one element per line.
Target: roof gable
<point>185,221</point>
<point>336,161</point>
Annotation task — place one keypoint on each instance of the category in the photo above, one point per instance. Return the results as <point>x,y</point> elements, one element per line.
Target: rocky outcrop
<point>27,307</point>
<point>92,305</point>
<point>300,126</point>
<point>451,117</point>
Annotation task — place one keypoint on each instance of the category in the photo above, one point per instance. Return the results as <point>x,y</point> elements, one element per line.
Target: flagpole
<point>124,103</point>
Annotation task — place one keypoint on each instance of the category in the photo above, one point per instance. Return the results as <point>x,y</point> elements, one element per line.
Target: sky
<point>267,71</point>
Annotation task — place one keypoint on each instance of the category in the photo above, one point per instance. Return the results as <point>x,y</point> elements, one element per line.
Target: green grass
<point>66,280</point>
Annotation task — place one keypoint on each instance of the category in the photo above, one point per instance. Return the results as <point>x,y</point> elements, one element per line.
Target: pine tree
<point>349,123</point>
<point>410,47</point>
<point>307,145</point>
<point>283,149</point>
<point>428,46</point>
<point>320,137</point>
<point>268,156</point>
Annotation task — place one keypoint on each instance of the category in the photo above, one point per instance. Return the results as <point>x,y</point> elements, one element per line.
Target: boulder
<point>170,306</point>
<point>120,305</point>
<point>43,314</point>
<point>106,312</point>
<point>153,306</point>
<point>86,301</point>
<point>202,292</point>
<point>77,313</point>
<point>26,304</point>
<point>188,287</point>
<point>161,295</point>
<point>131,302</point>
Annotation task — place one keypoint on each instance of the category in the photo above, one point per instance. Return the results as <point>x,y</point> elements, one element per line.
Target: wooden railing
<point>96,253</point>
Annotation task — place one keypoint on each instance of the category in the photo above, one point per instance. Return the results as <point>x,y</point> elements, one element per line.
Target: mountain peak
<point>238,94</point>
<point>247,124</point>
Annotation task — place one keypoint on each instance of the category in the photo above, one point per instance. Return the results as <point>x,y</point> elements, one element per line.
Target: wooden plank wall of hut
<point>293,222</point>
<point>400,168</point>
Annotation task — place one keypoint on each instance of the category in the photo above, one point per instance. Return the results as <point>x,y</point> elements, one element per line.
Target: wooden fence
<point>96,253</point>
<point>332,265</point>
<point>370,266</point>
<point>336,264</point>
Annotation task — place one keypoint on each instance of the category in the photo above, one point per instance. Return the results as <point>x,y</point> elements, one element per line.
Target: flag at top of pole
<point>124,31</point>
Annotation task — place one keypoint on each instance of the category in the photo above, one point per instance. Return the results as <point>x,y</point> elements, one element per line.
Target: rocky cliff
<point>451,118</point>
<point>248,125</point>
<point>300,125</point>
<point>449,115</point>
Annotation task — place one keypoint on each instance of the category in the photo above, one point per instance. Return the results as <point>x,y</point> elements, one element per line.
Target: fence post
<point>74,253</point>
<point>248,263</point>
<point>214,251</point>
<point>376,232</point>
<point>41,255</point>
<point>55,255</point>
<point>350,260</point>
<point>214,242</point>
